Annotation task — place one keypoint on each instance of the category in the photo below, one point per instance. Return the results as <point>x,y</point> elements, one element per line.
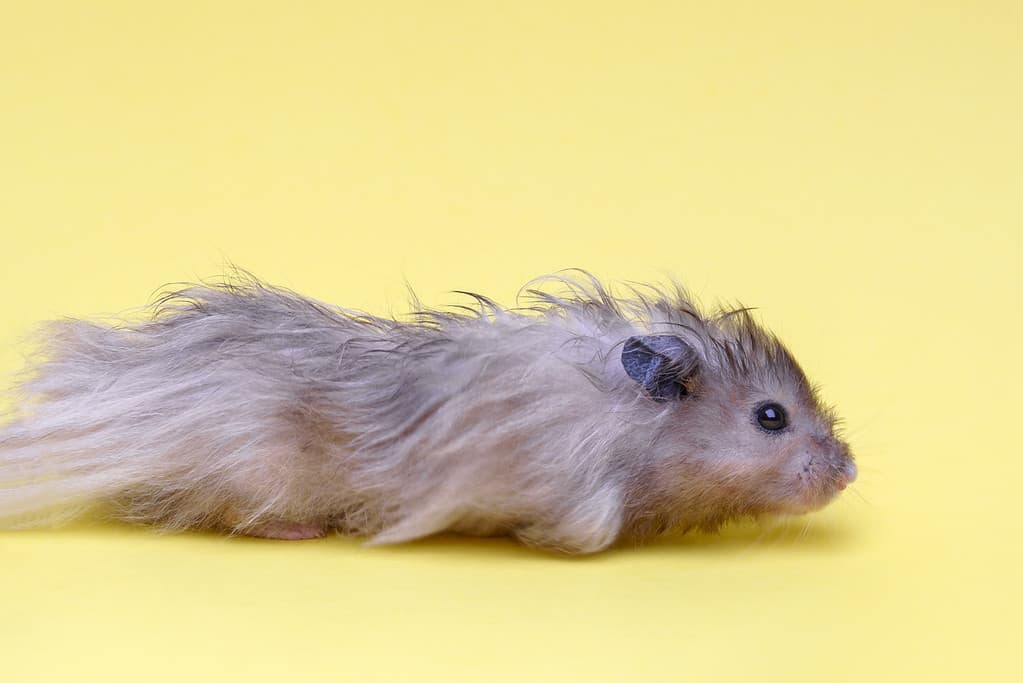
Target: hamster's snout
<point>847,474</point>
<point>826,469</point>
<point>839,459</point>
<point>846,469</point>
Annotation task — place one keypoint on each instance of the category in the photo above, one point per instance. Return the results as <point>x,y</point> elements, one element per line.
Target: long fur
<point>247,407</point>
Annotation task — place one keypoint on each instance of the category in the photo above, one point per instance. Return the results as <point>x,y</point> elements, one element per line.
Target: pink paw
<point>284,531</point>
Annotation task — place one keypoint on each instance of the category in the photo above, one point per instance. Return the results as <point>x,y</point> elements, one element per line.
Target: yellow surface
<point>856,171</point>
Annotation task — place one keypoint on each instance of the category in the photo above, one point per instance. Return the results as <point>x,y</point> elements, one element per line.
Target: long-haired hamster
<point>574,421</point>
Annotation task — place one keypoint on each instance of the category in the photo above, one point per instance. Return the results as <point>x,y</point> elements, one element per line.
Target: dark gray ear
<point>659,363</point>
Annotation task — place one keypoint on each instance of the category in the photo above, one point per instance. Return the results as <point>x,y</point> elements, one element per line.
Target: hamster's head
<point>739,430</point>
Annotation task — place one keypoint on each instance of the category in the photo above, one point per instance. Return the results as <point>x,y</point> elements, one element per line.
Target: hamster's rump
<point>577,420</point>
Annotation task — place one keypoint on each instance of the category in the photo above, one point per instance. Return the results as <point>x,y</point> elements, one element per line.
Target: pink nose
<point>847,476</point>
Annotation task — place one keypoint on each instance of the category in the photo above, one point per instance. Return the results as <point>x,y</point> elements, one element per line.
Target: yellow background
<point>853,169</point>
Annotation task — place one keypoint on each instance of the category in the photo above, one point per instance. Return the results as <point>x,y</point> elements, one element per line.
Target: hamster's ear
<point>660,363</point>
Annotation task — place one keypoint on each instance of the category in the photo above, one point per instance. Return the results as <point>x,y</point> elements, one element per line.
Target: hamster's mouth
<point>814,490</point>
<point>817,494</point>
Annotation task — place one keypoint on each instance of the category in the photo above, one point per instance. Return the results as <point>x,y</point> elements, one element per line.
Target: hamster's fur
<point>579,420</point>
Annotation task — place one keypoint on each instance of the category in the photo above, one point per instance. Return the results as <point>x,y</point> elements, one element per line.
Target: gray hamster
<point>577,420</point>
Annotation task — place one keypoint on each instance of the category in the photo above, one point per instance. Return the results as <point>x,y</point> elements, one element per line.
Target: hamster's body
<point>252,409</point>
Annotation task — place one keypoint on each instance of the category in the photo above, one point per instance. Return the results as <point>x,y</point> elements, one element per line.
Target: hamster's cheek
<point>795,493</point>
<point>794,485</point>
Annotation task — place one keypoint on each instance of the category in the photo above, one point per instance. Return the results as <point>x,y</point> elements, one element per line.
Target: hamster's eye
<point>771,417</point>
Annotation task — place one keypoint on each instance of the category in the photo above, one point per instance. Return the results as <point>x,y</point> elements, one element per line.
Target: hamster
<point>576,421</point>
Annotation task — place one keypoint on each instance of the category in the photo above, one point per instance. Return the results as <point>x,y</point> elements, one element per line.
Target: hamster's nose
<point>847,474</point>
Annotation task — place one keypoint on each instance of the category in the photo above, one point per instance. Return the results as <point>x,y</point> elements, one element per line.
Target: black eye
<point>771,417</point>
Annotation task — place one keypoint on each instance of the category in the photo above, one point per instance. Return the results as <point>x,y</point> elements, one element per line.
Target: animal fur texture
<point>249,408</point>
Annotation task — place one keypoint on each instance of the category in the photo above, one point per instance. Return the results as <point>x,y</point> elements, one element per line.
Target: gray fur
<point>253,409</point>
